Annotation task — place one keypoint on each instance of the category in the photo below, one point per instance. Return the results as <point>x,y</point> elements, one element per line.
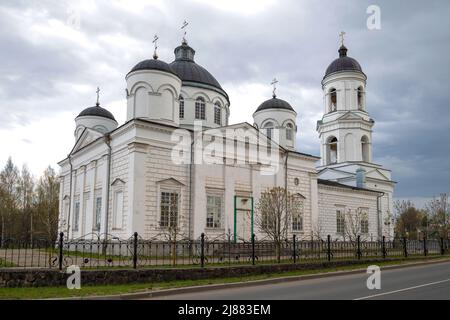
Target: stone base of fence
<point>10,278</point>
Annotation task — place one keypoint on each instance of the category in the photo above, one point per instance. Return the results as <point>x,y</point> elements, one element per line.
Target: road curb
<point>194,289</point>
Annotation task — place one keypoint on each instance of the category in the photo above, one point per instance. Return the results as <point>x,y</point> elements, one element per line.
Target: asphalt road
<point>420,282</point>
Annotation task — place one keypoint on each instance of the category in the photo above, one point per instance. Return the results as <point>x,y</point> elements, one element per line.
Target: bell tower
<point>346,127</point>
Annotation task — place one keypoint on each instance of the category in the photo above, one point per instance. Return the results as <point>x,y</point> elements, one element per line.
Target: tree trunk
<point>3,231</point>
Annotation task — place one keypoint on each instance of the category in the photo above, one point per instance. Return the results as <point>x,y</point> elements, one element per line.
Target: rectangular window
<point>169,209</point>
<point>340,222</point>
<point>214,212</point>
<point>118,210</point>
<point>76,216</point>
<point>217,116</point>
<point>98,214</point>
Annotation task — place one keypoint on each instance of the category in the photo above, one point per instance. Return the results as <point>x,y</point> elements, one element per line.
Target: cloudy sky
<point>55,53</point>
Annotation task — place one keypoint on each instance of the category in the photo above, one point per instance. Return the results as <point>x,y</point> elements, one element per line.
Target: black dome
<point>343,63</point>
<point>97,111</point>
<point>190,72</point>
<point>275,103</point>
<point>153,64</point>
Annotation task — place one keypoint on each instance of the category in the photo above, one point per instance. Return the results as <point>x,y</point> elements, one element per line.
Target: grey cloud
<point>407,63</point>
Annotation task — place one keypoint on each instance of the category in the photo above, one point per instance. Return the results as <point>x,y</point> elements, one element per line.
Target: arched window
<point>361,98</point>
<point>218,114</point>
<point>332,145</point>
<point>289,132</point>
<point>200,109</point>
<point>365,147</point>
<point>181,107</point>
<point>333,100</point>
<point>269,129</point>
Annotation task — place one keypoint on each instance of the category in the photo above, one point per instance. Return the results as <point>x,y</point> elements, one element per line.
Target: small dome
<point>97,111</point>
<point>343,63</point>
<point>190,72</point>
<point>275,103</point>
<point>153,64</point>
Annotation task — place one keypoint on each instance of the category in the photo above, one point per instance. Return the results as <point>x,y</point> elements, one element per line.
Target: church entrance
<point>243,219</point>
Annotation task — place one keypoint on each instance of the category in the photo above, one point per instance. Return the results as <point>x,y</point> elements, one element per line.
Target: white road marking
<point>402,290</point>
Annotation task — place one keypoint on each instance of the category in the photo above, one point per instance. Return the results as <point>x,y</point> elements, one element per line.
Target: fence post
<point>135,247</point>
<point>442,246</point>
<point>359,248</point>
<point>384,247</point>
<point>405,248</point>
<point>61,244</point>
<point>253,249</point>
<point>329,248</point>
<point>202,252</point>
<point>295,249</point>
<point>425,251</point>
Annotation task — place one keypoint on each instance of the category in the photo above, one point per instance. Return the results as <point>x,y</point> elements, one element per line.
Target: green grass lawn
<point>62,292</point>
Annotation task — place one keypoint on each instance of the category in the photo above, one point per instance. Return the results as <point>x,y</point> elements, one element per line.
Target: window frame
<point>97,212</point>
<point>340,221</point>
<point>289,132</point>
<point>200,109</point>
<point>218,114</point>
<point>217,215</point>
<point>76,215</point>
<point>181,106</point>
<point>170,205</point>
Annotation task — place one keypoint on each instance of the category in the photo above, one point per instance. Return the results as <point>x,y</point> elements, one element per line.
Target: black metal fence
<point>139,253</point>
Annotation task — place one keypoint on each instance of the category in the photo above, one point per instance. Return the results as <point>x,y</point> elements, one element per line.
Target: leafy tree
<point>9,185</point>
<point>438,213</point>
<point>26,203</point>
<point>409,220</point>
<point>47,208</point>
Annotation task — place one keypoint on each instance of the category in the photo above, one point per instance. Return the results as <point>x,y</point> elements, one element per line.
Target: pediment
<point>88,136</point>
<point>248,130</point>
<point>376,174</point>
<point>350,116</point>
<point>170,182</point>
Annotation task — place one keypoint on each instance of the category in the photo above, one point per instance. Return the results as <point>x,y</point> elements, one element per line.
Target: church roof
<point>97,111</point>
<point>153,64</point>
<point>343,63</point>
<point>275,103</point>
<point>340,185</point>
<point>190,72</point>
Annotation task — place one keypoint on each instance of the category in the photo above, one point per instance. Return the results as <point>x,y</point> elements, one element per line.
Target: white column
<point>136,188</point>
<point>314,198</point>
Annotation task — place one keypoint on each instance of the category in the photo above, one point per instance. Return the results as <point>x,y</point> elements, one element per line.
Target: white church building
<point>177,162</point>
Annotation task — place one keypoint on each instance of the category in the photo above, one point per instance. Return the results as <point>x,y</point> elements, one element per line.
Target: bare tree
<point>274,213</point>
<point>354,224</point>
<point>318,232</point>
